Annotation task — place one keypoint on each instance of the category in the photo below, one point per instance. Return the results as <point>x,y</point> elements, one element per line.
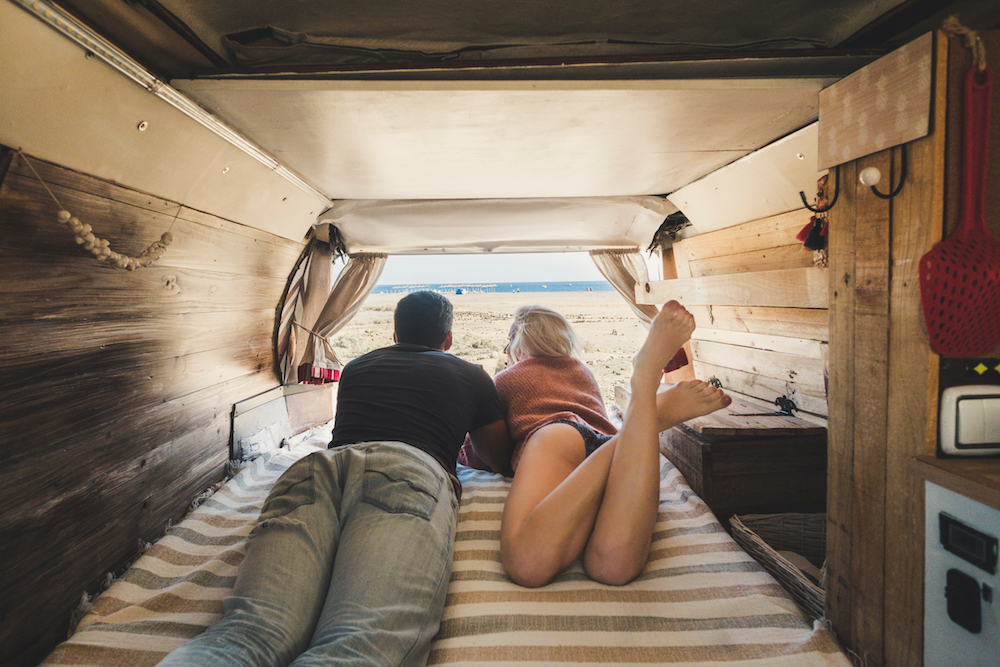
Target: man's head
<point>424,318</point>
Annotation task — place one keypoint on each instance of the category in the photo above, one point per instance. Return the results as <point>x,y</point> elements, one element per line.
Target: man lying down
<point>350,560</point>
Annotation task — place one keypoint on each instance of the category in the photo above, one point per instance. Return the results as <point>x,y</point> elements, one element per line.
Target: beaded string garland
<point>101,248</point>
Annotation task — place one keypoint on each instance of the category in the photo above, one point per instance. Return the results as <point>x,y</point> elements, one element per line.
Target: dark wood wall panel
<point>117,386</point>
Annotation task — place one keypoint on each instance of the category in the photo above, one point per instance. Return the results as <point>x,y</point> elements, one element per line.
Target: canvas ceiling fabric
<point>497,225</point>
<point>311,32</point>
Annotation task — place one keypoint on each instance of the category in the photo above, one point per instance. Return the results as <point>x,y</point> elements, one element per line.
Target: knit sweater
<point>538,390</point>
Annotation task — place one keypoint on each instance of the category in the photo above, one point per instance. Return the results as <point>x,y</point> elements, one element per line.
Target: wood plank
<point>58,344</point>
<point>765,389</point>
<point>800,371</point>
<point>840,437</point>
<point>48,474</point>
<point>789,288</point>
<point>29,285</point>
<point>133,229</point>
<point>63,178</point>
<point>763,234</point>
<point>884,104</point>
<point>800,347</point>
<point>871,348</point>
<point>741,418</point>
<point>770,259</point>
<point>99,394</point>
<point>680,255</point>
<point>917,213</point>
<point>977,479</point>
<point>810,323</point>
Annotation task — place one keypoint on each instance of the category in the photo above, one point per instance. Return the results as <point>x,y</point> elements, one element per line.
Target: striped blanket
<point>701,600</point>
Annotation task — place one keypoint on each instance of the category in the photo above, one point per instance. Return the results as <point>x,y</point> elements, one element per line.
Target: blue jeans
<point>349,565</point>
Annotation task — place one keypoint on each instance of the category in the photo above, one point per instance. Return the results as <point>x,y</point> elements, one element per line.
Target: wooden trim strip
<point>788,288</point>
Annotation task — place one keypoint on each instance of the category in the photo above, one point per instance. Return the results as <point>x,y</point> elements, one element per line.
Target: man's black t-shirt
<point>417,395</point>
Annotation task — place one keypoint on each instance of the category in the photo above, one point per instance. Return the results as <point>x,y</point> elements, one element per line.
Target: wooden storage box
<point>738,461</point>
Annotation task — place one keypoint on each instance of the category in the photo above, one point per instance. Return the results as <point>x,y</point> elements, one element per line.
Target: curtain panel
<point>314,312</point>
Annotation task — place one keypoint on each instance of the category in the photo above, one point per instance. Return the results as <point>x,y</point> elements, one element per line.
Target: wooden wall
<point>117,386</point>
<point>760,303</point>
<point>884,379</point>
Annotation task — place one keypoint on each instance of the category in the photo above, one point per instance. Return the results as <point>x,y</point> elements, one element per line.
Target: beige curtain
<point>321,312</point>
<point>624,269</point>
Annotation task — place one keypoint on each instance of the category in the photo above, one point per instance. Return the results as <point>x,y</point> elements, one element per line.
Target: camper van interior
<point>181,183</point>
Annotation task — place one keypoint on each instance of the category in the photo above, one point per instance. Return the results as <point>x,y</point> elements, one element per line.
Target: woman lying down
<point>581,488</point>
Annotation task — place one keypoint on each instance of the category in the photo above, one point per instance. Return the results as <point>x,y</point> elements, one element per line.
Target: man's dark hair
<point>423,318</point>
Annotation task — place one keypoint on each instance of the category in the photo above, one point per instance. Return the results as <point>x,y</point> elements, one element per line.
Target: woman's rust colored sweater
<point>538,390</point>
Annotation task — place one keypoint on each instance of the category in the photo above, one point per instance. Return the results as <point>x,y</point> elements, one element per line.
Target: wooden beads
<point>101,248</point>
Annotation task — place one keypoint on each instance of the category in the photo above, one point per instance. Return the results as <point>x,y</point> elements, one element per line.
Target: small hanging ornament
<point>813,235</point>
<point>101,248</point>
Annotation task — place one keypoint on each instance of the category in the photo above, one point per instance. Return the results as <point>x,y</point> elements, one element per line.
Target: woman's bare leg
<point>552,504</point>
<point>619,543</point>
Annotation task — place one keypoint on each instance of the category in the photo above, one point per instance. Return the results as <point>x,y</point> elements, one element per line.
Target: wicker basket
<point>763,535</point>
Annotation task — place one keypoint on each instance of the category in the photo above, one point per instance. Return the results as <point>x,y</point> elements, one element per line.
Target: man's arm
<point>493,445</point>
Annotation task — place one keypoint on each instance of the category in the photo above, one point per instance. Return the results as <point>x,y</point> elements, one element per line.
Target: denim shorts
<point>591,438</point>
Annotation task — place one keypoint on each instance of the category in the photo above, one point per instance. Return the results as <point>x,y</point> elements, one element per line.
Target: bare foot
<point>686,400</point>
<point>670,329</point>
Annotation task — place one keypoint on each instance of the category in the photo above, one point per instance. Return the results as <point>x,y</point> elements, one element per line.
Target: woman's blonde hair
<point>538,331</point>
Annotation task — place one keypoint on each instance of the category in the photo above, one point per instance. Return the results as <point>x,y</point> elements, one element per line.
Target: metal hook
<point>902,177</point>
<point>836,193</point>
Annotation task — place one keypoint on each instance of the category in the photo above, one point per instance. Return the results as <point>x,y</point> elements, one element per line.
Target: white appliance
<point>970,420</point>
<point>961,581</point>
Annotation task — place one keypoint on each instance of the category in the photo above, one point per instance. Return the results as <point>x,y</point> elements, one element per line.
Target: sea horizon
<point>456,288</point>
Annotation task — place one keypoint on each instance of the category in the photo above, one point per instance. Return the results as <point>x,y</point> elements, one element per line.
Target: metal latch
<point>785,408</point>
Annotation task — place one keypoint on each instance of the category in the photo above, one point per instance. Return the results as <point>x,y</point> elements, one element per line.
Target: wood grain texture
<point>840,437</point>
<point>743,419</point>
<point>800,347</point>
<point>871,349</point>
<point>784,367</point>
<point>788,288</point>
<point>764,234</point>
<point>768,259</point>
<point>762,471</point>
<point>118,385</point>
<point>794,322</point>
<point>913,381</point>
<point>977,479</point>
<point>765,390</point>
<point>884,104</point>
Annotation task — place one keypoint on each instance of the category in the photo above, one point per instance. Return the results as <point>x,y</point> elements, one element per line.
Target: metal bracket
<point>785,408</point>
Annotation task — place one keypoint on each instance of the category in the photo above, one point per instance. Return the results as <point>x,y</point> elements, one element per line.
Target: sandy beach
<point>610,331</point>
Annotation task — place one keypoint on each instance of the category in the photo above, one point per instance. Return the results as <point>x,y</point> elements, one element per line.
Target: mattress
<point>700,601</point>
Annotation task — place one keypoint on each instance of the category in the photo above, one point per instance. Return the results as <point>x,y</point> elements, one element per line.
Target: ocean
<point>479,288</point>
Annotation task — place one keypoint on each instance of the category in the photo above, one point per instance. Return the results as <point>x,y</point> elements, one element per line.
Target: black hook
<point>836,193</point>
<point>902,177</point>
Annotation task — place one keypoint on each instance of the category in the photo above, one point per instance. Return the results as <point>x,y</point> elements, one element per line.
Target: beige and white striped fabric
<point>701,600</point>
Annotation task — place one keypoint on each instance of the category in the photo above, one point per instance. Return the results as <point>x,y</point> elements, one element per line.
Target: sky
<point>487,268</point>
